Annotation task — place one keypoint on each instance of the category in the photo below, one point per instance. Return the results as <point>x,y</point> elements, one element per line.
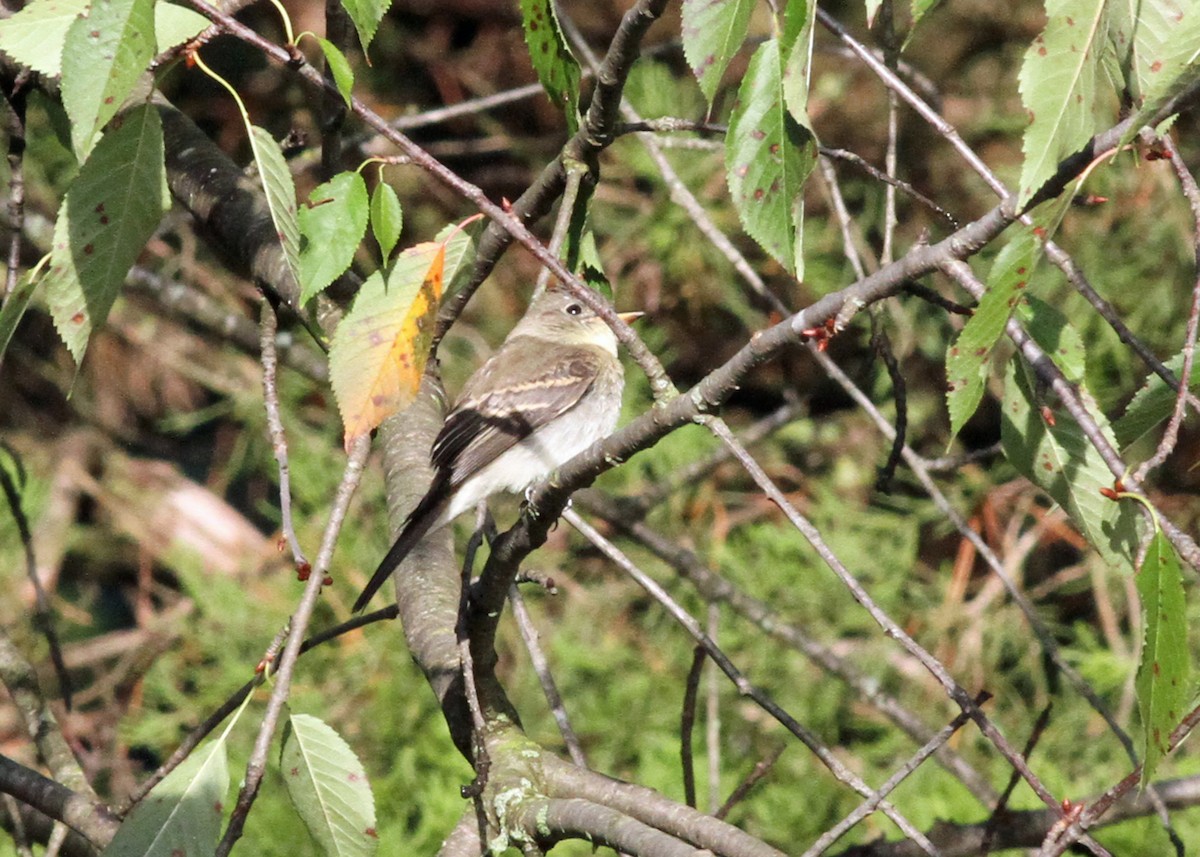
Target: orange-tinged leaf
<point>379,352</point>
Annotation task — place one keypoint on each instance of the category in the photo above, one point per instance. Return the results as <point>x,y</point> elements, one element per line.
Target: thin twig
<point>16,177</point>
<point>868,806</point>
<point>256,766</point>
<point>744,686</point>
<point>997,816</point>
<point>1192,194</point>
<point>542,668</point>
<point>687,721</point>
<point>43,617</point>
<point>268,327</point>
<point>761,768</point>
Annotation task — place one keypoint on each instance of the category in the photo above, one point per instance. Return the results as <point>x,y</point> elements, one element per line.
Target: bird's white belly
<point>539,454</point>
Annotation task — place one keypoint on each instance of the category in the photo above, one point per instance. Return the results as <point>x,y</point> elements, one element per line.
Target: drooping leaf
<point>182,814</point>
<point>280,192</point>
<point>921,8</point>
<point>556,66</point>
<point>713,32</point>
<point>331,227</point>
<point>339,67</point>
<point>366,15</point>
<point>1051,451</point>
<point>967,360</point>
<point>1053,332</point>
<point>799,16</point>
<point>104,54</point>
<point>14,309</point>
<point>1139,29</point>
<point>1164,676</point>
<point>1171,72</point>
<point>768,157</point>
<point>110,211</point>
<point>872,11</point>
<point>1153,404</point>
<point>328,787</point>
<point>379,351</point>
<point>174,25</point>
<point>35,35</point>
<point>1058,87</point>
<point>461,241</point>
<point>387,218</point>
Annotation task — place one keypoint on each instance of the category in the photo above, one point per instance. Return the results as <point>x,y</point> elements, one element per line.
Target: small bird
<point>550,391</point>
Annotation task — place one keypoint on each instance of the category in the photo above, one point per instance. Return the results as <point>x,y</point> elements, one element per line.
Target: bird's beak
<point>630,317</point>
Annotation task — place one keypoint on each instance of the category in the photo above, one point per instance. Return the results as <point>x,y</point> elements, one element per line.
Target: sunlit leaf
<point>174,25</point>
<point>1053,332</point>
<point>1164,676</point>
<point>281,194</point>
<point>387,218</point>
<point>713,32</point>
<point>339,67</point>
<point>1171,71</point>
<point>331,227</point>
<point>921,8</point>
<point>967,360</point>
<point>328,787</point>
<point>110,211</point>
<point>35,35</point>
<point>1048,448</point>
<point>1153,403</point>
<point>182,814</point>
<point>366,15</point>
<point>103,56</point>
<point>1058,84</point>
<point>768,157</point>
<point>872,10</point>
<point>14,309</point>
<point>556,66</point>
<point>379,351</point>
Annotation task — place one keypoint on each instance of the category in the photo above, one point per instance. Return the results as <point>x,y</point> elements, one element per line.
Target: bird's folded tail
<point>416,525</point>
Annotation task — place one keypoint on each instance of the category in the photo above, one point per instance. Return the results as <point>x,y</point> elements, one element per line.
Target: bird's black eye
<point>574,309</point>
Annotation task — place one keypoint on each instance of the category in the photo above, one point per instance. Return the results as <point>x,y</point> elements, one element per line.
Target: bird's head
<point>558,316</point>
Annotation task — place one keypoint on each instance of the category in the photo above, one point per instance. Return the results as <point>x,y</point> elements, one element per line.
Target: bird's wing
<point>504,402</point>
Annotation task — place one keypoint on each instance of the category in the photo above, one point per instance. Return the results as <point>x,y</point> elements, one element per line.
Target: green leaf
<point>174,25</point>
<point>921,8</point>
<point>460,244</point>
<point>366,15</point>
<point>713,32</point>
<point>1152,404</point>
<point>339,67</point>
<point>387,219</point>
<point>110,211</point>
<point>104,55</point>
<point>1058,87</point>
<point>1051,330</point>
<point>799,18</point>
<point>380,348</point>
<point>35,35</point>
<point>872,11</point>
<point>1163,681</point>
<point>768,157</point>
<point>331,227</point>
<point>556,66</point>
<point>14,309</point>
<point>281,194</point>
<point>328,787</point>
<point>968,358</point>
<point>1172,71</point>
<point>182,814</point>
<point>1057,457</point>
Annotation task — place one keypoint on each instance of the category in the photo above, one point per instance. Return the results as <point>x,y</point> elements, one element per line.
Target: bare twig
<point>298,626</point>
<point>744,686</point>
<point>270,363</point>
<point>687,721</point>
